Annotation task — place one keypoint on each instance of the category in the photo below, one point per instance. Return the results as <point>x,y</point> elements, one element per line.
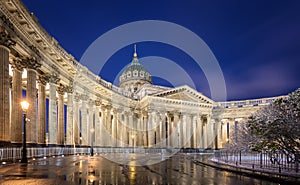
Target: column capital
<point>98,102</point>
<point>114,110</point>
<point>176,113</point>
<point>31,63</point>
<point>145,113</point>
<point>120,110</point>
<point>139,115</point>
<point>17,64</point>
<point>91,102</point>
<point>161,114</point>
<point>108,107</point>
<point>194,116</point>
<point>69,89</point>
<point>5,38</point>
<point>132,109</point>
<point>60,89</point>
<point>43,79</point>
<point>53,78</point>
<point>35,51</point>
<point>151,112</point>
<point>170,114</point>
<point>84,97</point>
<point>102,107</point>
<point>76,97</point>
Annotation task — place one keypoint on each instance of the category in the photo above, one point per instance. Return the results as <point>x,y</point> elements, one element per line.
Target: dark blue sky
<point>257,43</point>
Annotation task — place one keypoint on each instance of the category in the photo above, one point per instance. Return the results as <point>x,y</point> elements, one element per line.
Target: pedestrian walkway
<point>84,170</point>
<point>286,178</point>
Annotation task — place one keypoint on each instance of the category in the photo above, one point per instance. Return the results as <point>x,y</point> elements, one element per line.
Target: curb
<point>282,179</point>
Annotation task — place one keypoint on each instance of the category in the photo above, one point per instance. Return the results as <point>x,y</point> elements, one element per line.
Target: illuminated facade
<point>69,105</point>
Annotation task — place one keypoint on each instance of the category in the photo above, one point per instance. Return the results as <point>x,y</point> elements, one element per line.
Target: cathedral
<point>71,106</point>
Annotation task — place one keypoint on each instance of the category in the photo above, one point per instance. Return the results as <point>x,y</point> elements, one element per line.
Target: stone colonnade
<point>225,129</point>
<point>72,118</point>
<point>119,128</point>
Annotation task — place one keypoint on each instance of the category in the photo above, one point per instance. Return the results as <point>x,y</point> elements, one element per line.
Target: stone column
<point>156,130</point>
<point>151,116</point>
<point>169,126</point>
<point>97,122</point>
<point>125,130</point>
<point>53,80</point>
<point>70,126</point>
<point>175,133</point>
<point>218,138</point>
<point>162,125</point>
<point>209,131</point>
<point>97,126</point>
<point>84,121</point>
<point>91,120</point>
<point>76,119</point>
<point>231,130</point>
<point>108,125</point>
<point>42,109</point>
<point>114,128</point>
<point>102,139</point>
<point>181,135</point>
<point>224,133</point>
<point>119,138</point>
<point>5,43</point>
<point>212,131</point>
<point>16,119</point>
<point>194,132</point>
<point>31,96</point>
<point>131,130</point>
<point>204,131</point>
<point>198,131</point>
<point>188,131</point>
<point>184,125</point>
<point>140,130</point>
<point>60,114</point>
<point>145,138</point>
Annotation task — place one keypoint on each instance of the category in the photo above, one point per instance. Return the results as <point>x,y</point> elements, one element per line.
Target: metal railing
<point>259,160</point>
<point>14,154</point>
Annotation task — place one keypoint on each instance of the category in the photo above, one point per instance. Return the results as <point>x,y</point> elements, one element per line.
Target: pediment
<point>184,93</point>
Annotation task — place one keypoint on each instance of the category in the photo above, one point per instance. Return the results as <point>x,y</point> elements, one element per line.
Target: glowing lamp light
<point>24,105</point>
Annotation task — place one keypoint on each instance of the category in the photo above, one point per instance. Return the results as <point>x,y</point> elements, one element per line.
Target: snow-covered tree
<point>277,126</point>
<point>241,138</point>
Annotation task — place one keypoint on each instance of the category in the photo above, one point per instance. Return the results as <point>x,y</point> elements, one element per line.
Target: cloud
<point>267,80</point>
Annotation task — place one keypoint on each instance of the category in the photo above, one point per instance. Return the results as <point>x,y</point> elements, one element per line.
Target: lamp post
<point>92,141</point>
<point>25,106</point>
<point>132,137</point>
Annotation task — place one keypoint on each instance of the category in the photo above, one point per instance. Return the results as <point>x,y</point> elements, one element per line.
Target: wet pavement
<point>84,170</point>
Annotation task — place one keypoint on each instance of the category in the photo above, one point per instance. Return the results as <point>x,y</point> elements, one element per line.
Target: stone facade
<point>69,105</point>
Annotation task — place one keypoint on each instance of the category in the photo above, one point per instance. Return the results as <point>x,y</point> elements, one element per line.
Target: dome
<point>134,75</point>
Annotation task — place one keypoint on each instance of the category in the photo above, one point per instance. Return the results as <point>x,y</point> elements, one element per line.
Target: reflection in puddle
<point>86,170</point>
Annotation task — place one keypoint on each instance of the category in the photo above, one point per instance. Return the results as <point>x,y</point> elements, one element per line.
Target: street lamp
<point>25,106</point>
<point>92,140</point>
<point>132,137</point>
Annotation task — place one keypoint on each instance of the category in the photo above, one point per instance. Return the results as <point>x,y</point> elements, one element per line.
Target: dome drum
<point>134,75</point>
